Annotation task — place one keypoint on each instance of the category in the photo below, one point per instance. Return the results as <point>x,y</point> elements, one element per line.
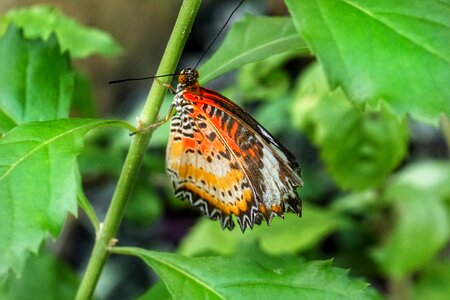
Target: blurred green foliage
<point>375,139</point>
<point>44,277</point>
<point>41,21</point>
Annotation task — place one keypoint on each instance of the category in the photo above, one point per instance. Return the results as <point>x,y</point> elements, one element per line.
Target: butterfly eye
<point>182,79</point>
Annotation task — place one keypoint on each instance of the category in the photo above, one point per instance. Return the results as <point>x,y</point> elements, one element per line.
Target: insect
<point>224,162</point>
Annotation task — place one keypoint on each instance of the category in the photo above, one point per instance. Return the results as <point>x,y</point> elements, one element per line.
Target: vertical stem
<point>127,179</point>
<point>399,289</point>
<point>445,126</point>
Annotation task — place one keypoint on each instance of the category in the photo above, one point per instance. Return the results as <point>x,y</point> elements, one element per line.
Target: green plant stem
<point>445,126</point>
<point>127,179</point>
<point>399,289</point>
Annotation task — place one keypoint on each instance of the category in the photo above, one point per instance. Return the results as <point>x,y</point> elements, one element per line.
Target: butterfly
<point>224,162</point>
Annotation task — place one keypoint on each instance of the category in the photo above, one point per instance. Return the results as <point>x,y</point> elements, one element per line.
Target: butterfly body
<point>224,162</point>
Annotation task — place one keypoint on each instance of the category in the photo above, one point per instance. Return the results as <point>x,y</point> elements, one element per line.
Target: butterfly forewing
<point>203,172</point>
<point>226,163</point>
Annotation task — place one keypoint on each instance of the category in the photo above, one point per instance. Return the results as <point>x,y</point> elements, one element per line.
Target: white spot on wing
<point>272,181</point>
<point>267,135</point>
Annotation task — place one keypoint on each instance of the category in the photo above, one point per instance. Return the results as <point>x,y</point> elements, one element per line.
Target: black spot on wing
<point>211,136</point>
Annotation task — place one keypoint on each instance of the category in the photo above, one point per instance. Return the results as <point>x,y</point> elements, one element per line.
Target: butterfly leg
<point>159,123</point>
<point>167,85</point>
<point>154,125</point>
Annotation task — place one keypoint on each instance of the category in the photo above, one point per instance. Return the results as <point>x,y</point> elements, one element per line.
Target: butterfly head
<point>188,77</point>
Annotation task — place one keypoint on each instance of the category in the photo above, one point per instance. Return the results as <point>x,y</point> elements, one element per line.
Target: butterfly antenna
<point>201,57</point>
<point>141,78</point>
<point>218,34</point>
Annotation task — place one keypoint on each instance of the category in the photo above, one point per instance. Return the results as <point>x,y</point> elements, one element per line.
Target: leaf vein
<point>230,62</point>
<point>9,116</point>
<point>189,275</point>
<point>389,26</point>
<point>38,147</point>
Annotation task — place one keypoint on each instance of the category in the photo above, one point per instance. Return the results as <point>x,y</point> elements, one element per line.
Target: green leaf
<point>157,291</point>
<point>359,147</point>
<point>36,81</point>
<point>391,51</point>
<point>250,40</point>
<point>40,21</point>
<point>266,79</point>
<point>298,235</point>
<point>280,108</point>
<point>365,149</point>
<point>290,235</point>
<point>43,278</point>
<point>431,176</point>
<point>421,230</point>
<point>39,182</point>
<point>83,102</point>
<point>88,209</point>
<point>243,277</point>
<point>422,226</point>
<point>357,202</point>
